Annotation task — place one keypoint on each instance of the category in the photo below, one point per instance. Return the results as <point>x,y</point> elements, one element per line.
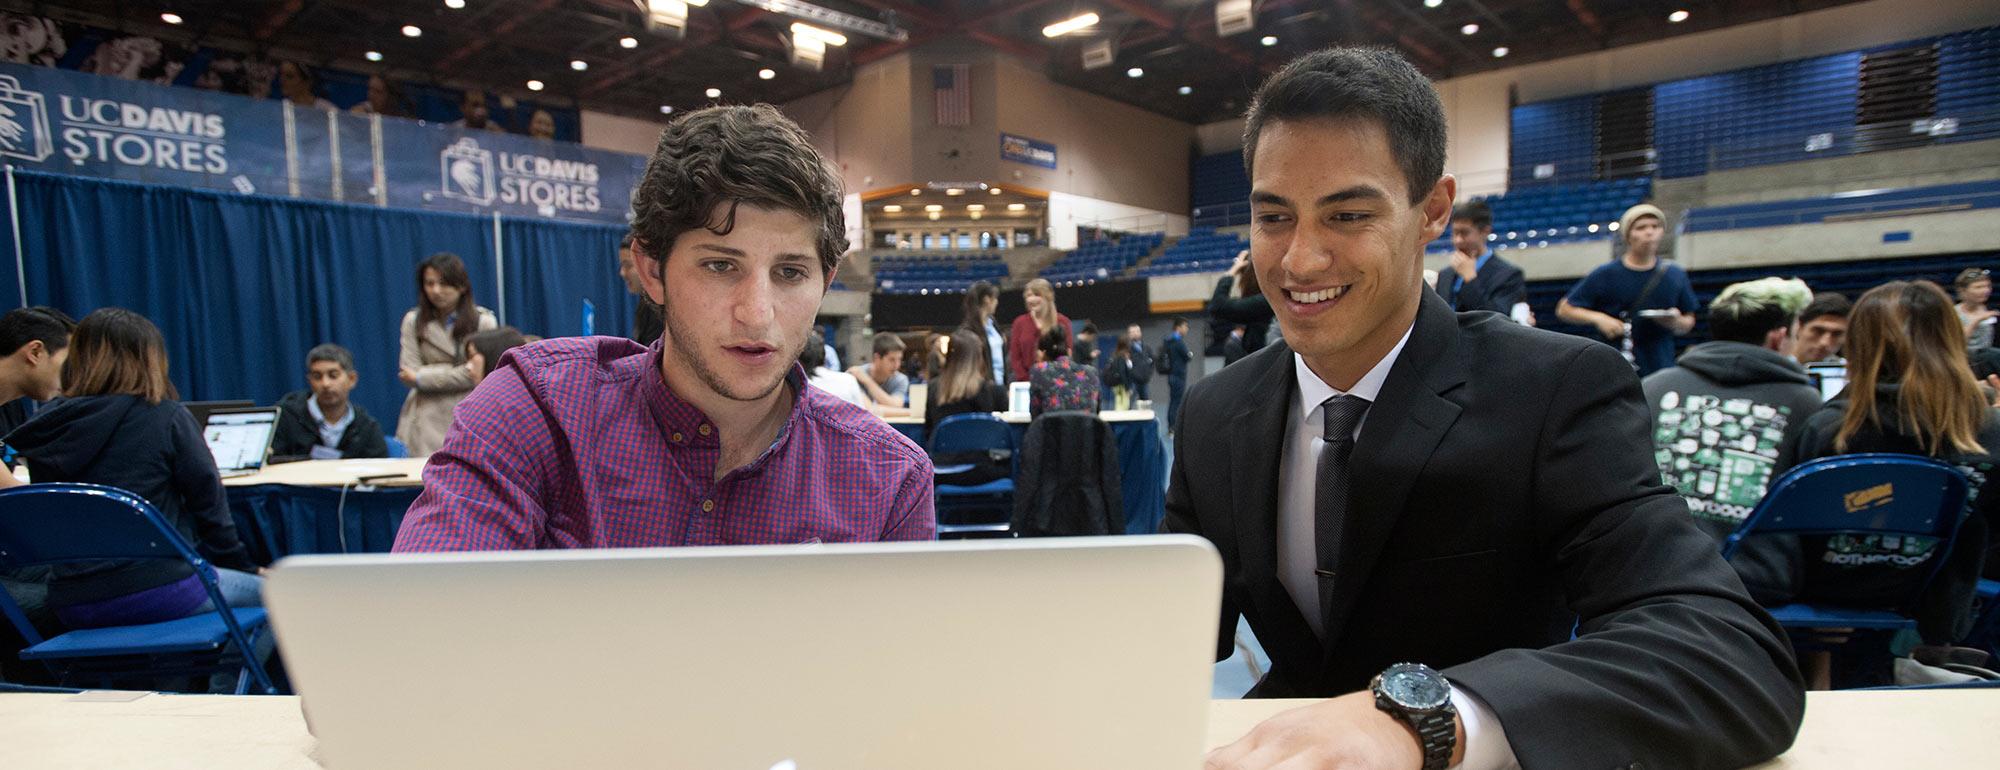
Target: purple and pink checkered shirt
<point>577,443</point>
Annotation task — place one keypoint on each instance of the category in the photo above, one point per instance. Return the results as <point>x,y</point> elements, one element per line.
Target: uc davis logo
<point>467,172</point>
<point>24,122</point>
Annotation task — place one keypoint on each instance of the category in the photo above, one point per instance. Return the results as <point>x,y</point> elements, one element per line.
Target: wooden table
<point>336,473</point>
<point>1843,731</point>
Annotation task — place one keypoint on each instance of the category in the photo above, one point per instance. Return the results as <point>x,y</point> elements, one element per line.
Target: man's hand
<point>1465,265</point>
<point>1611,328</point>
<point>1346,733</point>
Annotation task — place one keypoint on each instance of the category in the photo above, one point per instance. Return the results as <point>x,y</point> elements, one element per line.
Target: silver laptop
<point>1084,653</point>
<point>240,438</point>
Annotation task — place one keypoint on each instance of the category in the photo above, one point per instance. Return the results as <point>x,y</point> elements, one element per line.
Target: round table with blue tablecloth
<point>323,506</point>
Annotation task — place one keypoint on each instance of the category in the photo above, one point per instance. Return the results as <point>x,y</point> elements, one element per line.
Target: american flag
<point>952,85</point>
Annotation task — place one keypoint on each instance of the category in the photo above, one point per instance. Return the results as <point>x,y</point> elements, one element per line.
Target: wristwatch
<point>1420,696</point>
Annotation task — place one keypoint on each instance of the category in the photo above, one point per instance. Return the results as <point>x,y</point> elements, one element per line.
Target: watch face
<point>1415,686</point>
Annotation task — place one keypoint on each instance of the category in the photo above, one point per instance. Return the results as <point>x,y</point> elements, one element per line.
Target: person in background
<point>842,385</point>
<point>1174,359</point>
<point>832,356</point>
<point>321,422</point>
<point>962,386</point>
<point>474,114</point>
<point>1721,418</point>
<point>432,362</point>
<point>120,425</point>
<point>1024,338</point>
<point>1822,328</point>
<point>1117,374</point>
<point>542,125</point>
<point>1238,311</point>
<point>647,322</point>
<point>1084,346</point>
<point>301,87</point>
<point>1059,383</point>
<point>382,100</point>
<point>1975,288</point>
<point>980,301</point>
<point>1638,302</point>
<point>1234,347</point>
<point>1907,393</point>
<point>1142,364</point>
<point>483,350</point>
<point>1479,280</point>
<point>882,378</point>
<point>34,343</point>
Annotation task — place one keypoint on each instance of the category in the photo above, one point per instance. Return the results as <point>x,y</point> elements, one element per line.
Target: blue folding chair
<point>62,523</point>
<point>1861,494</point>
<point>396,448</point>
<point>973,510</point>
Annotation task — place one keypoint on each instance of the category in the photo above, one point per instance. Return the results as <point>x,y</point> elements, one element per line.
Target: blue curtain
<point>242,286</point>
<point>554,267</point>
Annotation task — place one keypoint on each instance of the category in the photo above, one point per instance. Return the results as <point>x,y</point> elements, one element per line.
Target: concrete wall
<point>863,128</point>
<point>1105,150</point>
<point>620,133</point>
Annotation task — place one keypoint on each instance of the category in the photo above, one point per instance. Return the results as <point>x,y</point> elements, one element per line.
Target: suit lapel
<point>1256,446</point>
<point>1403,428</point>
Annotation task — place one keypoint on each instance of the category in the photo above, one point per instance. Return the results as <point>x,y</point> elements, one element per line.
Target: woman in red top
<point>1028,328</point>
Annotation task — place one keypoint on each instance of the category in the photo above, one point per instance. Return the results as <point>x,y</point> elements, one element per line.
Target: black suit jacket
<point>1508,495</point>
<point>1496,287</point>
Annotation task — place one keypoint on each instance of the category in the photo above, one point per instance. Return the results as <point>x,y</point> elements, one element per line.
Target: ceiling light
<point>1017,207</point>
<point>827,36</point>
<point>714,93</point>
<point>1066,26</point>
<point>579,65</point>
<point>766,74</point>
<point>454,4</point>
<point>534,85</point>
<point>1500,53</point>
<point>1469,29</point>
<point>372,56</point>
<point>916,191</point>
<point>666,109</point>
<point>698,3</point>
<point>1269,40</point>
<point>893,208</point>
<point>171,18</point>
<point>628,42</point>
<point>1135,72</point>
<point>995,191</point>
<point>1677,16</point>
<point>1433,3</point>
<point>1612,226</point>
<point>954,191</point>
<point>975,215</point>
<point>975,207</point>
<point>412,30</point>
<point>934,207</point>
<point>1185,90</point>
<point>934,215</point>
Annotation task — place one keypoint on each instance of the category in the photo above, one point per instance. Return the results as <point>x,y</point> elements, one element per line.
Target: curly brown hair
<point>734,155</point>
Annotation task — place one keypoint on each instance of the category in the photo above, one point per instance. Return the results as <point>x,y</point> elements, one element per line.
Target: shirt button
<point>708,506</point>
<point>705,430</point>
<point>678,438</point>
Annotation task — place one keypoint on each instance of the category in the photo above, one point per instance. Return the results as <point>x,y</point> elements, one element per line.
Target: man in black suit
<point>1399,484</point>
<point>1479,280</point>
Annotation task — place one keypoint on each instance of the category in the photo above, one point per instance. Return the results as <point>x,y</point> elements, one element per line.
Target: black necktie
<point>1333,481</point>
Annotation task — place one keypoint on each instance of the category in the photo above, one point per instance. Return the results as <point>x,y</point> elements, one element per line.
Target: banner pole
<point>499,271</point>
<point>14,214</point>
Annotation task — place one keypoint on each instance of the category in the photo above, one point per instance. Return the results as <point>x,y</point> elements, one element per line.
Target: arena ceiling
<point>1188,71</point>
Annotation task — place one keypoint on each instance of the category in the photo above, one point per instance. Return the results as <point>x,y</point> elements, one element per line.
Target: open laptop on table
<point>240,438</point>
<point>1045,654</point>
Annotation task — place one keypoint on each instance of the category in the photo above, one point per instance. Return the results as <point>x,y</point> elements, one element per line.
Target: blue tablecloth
<point>1142,470</point>
<point>277,520</point>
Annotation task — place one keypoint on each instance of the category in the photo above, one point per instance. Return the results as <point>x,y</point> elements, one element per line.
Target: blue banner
<point>73,123</point>
<point>1021,149</point>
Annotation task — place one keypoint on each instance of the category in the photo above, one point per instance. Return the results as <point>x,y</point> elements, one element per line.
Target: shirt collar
<point>678,418</point>
<point>1484,257</point>
<point>319,415</point>
<point>1313,391</point>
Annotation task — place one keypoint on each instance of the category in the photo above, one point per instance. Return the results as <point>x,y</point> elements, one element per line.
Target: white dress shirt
<point>330,433</point>
<point>841,384</point>
<point>1486,746</point>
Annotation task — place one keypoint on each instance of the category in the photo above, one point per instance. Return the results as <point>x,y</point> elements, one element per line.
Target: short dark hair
<point>725,156</point>
<point>1827,303</point>
<point>330,352</point>
<point>493,343</point>
<point>46,325</point>
<point>1368,83</point>
<point>1089,327</point>
<point>813,356</point>
<point>888,342</point>
<point>1053,343</point>
<point>1178,322</point>
<point>1475,213</point>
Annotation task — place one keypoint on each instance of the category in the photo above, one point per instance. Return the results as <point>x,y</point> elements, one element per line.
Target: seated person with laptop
<point>709,437</point>
<point>322,423</point>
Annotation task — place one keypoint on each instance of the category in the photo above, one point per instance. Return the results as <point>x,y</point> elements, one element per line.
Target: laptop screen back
<point>240,438</point>
<point>1831,378</point>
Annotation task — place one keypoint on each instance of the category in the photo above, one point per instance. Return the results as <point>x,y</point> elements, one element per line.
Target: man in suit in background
<point>1479,280</point>
<point>1142,365</point>
<point>1398,484</point>
<point>1174,358</point>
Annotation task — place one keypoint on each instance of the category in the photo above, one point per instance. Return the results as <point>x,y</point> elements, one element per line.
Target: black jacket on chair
<point>1496,287</point>
<point>1069,482</point>
<point>1506,495</point>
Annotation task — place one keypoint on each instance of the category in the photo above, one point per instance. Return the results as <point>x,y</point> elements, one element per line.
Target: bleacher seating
<point>1961,196</point>
<point>1541,216</point>
<point>1202,251</point>
<point>1101,260</point>
<point>936,273</point>
<point>1219,190</point>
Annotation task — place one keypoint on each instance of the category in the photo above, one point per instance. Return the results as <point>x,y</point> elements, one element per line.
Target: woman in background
<point>980,302</point>
<point>1024,339</point>
<point>1118,375</point>
<point>962,386</point>
<point>483,350</point>
<point>433,360</point>
<point>1058,383</point>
